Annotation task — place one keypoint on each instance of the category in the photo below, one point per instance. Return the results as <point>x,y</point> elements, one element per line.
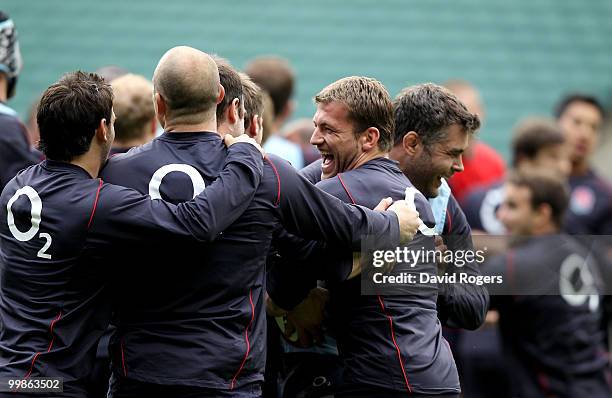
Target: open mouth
<point>328,163</point>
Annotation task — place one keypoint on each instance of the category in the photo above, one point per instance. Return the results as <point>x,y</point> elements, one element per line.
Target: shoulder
<point>333,186</point>
<point>312,172</point>
<point>602,185</point>
<point>278,166</point>
<point>12,129</point>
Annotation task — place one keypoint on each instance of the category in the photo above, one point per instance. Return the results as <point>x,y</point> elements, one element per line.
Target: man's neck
<point>548,229</point>
<point>226,128</point>
<point>130,143</point>
<point>580,168</point>
<point>209,125</point>
<point>366,157</point>
<point>3,88</point>
<point>88,162</point>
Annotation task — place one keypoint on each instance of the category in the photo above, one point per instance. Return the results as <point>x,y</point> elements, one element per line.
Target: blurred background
<point>522,55</point>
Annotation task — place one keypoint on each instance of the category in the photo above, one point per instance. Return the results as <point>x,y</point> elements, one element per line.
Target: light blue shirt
<point>286,149</point>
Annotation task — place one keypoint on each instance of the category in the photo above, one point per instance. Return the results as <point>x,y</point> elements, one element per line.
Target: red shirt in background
<point>485,166</point>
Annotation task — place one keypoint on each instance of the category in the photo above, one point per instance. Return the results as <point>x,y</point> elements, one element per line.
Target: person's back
<point>58,224</point>
<point>59,200</point>
<point>15,151</point>
<point>209,305</point>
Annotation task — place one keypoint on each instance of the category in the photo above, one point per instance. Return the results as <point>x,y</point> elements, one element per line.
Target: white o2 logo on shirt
<point>35,220</point>
<point>192,173</point>
<point>572,266</point>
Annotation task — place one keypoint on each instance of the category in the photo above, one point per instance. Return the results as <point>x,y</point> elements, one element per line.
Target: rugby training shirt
<point>58,229</point>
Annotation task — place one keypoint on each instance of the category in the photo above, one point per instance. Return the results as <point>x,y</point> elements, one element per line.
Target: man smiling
<point>389,345</point>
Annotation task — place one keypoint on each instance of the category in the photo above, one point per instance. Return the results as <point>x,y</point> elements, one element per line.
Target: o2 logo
<point>192,173</point>
<point>576,283</point>
<point>35,220</point>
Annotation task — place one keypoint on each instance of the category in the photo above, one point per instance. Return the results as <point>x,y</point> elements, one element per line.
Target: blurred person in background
<point>275,75</point>
<point>299,132</point>
<point>268,116</point>
<point>482,164</point>
<point>538,144</point>
<point>16,152</point>
<point>111,72</point>
<point>136,124</point>
<point>590,207</point>
<point>549,304</point>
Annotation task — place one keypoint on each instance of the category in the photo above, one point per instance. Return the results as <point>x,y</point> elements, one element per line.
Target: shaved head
<point>188,81</point>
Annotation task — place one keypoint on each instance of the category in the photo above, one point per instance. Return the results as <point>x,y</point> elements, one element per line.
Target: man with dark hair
<point>201,331</point>
<point>537,144</point>
<point>275,76</point>
<point>231,109</point>
<point>381,353</point>
<point>550,300</point>
<point>482,165</point>
<point>432,130</point>
<point>59,224</point>
<point>15,150</point>
<point>133,105</point>
<point>590,209</point>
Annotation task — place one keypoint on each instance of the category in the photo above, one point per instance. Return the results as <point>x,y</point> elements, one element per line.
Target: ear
<point>370,138</point>
<point>233,115</point>
<point>102,133</point>
<point>258,121</point>
<point>412,143</point>
<point>160,108</point>
<point>543,215</point>
<point>221,94</point>
<point>252,130</point>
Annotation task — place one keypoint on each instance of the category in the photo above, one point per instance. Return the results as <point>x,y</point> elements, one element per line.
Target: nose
<point>316,138</point>
<point>458,165</point>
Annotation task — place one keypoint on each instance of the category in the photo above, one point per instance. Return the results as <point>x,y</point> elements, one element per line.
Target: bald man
<point>200,331</point>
